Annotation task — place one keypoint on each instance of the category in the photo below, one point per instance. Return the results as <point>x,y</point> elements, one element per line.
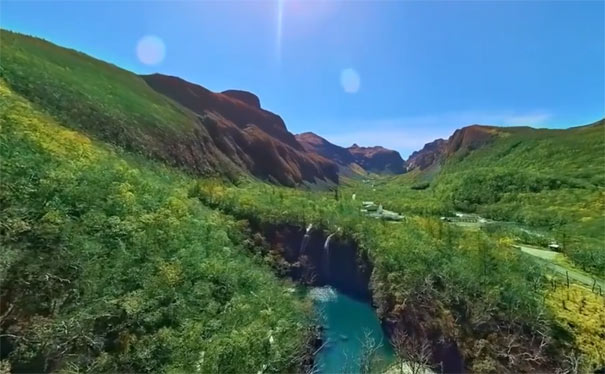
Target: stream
<point>346,321</point>
<point>335,275</point>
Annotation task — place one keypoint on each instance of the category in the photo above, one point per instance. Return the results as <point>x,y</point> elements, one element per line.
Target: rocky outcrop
<point>378,159</point>
<point>373,159</point>
<point>470,138</point>
<point>316,144</point>
<point>429,155</point>
<point>254,139</point>
<point>461,142</point>
<point>313,259</point>
<point>244,96</point>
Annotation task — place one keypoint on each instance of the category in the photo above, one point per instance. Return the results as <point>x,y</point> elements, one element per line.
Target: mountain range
<point>209,133</point>
<point>226,134</point>
<point>170,119</point>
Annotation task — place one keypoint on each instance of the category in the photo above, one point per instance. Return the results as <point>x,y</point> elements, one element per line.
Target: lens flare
<point>151,50</point>
<point>280,22</point>
<point>350,81</point>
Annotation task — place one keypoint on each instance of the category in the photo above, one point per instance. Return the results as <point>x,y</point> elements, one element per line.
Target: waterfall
<point>306,239</point>
<point>327,242</point>
<point>327,246</point>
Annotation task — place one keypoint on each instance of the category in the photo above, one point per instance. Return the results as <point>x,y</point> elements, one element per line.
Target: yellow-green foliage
<point>109,265</point>
<point>582,312</point>
<point>475,285</point>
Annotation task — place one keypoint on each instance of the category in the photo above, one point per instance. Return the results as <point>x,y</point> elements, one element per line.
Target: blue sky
<point>414,71</point>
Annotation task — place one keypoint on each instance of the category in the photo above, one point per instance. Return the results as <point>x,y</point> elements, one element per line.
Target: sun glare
<point>350,81</point>
<point>151,50</point>
<point>280,21</point>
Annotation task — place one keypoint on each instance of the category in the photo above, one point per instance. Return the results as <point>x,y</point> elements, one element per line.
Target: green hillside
<point>109,265</point>
<point>549,180</point>
<point>107,103</point>
<point>552,179</point>
<point>160,117</point>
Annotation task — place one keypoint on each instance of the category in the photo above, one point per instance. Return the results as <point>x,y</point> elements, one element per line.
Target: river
<point>346,322</point>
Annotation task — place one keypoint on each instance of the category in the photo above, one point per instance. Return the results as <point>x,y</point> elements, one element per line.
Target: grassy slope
<point>107,102</point>
<point>108,265</point>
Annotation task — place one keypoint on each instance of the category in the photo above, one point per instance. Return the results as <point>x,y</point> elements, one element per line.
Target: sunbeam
<point>280,19</point>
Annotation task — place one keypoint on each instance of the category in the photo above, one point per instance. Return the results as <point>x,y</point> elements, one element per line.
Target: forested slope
<point>109,265</point>
<point>545,179</point>
<point>553,179</point>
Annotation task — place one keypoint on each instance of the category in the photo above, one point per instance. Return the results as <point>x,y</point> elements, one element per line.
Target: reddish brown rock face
<point>374,159</point>
<point>316,144</point>
<point>462,141</point>
<point>470,137</point>
<point>378,159</point>
<point>254,139</point>
<point>429,155</point>
<point>243,96</point>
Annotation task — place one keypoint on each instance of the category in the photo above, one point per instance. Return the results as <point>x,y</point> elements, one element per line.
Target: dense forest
<point>110,265</point>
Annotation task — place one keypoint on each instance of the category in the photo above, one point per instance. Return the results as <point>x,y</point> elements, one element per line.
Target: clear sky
<point>393,73</point>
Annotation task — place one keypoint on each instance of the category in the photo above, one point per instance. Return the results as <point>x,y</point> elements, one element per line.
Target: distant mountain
<point>460,143</point>
<point>378,159</point>
<point>490,139</point>
<point>373,159</point>
<point>540,177</point>
<point>180,123</point>
<point>315,143</point>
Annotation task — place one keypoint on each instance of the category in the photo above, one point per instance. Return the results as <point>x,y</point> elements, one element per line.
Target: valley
<point>151,225</point>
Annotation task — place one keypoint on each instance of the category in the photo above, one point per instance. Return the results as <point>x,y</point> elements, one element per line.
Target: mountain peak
<point>376,159</point>
<point>253,139</point>
<point>244,96</point>
<point>464,139</point>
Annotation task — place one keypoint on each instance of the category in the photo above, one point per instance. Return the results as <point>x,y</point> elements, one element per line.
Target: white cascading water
<point>305,241</point>
<point>327,242</point>
<point>327,246</point>
<point>322,294</point>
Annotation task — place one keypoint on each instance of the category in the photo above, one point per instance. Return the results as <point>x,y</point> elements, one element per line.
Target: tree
<point>413,353</point>
<point>369,353</point>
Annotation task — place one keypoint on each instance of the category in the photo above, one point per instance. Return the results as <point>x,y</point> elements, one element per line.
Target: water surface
<point>346,322</point>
